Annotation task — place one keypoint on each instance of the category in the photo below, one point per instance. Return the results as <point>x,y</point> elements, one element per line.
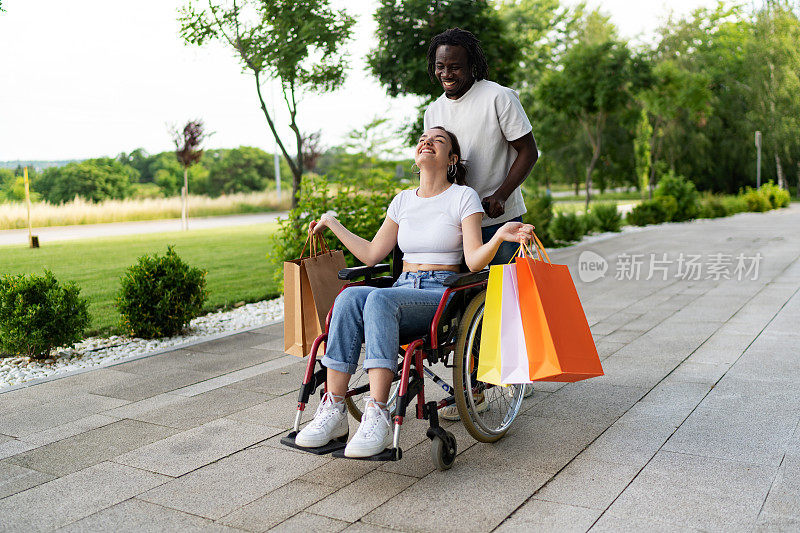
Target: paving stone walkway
<point>693,427</point>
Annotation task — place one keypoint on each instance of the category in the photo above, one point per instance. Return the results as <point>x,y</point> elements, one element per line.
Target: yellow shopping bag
<point>489,358</point>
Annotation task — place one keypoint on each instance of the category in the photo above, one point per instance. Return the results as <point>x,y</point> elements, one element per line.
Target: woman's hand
<point>516,232</point>
<point>318,226</point>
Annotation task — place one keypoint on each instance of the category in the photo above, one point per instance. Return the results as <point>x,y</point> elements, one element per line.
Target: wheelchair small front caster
<point>443,451</point>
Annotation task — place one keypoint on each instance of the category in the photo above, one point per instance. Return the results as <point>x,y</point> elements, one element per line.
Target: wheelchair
<point>487,411</point>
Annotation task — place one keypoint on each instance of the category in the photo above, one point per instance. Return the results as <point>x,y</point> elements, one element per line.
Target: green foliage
<point>566,228</point>
<point>607,216</point>
<point>299,43</point>
<point>37,314</point>
<point>94,180</point>
<point>540,214</point>
<point>776,196</point>
<point>711,206</point>
<point>160,295</point>
<point>684,193</point>
<point>241,169</point>
<point>361,208</point>
<point>756,201</point>
<point>405,30</point>
<point>653,211</point>
<point>12,186</point>
<point>734,204</point>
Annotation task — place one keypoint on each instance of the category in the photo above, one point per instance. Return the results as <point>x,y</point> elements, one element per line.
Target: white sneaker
<point>373,434</point>
<point>451,411</point>
<point>330,422</point>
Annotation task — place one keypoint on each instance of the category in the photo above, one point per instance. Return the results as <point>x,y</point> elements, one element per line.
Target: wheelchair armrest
<point>367,272</point>
<point>465,278</point>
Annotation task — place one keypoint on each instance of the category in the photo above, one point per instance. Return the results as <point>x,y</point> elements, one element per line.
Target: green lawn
<point>234,257</point>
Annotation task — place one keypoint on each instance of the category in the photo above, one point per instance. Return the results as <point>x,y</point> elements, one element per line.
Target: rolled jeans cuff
<point>340,366</point>
<point>376,362</point>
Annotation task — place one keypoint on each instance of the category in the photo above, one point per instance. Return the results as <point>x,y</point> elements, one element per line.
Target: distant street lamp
<point>758,164</point>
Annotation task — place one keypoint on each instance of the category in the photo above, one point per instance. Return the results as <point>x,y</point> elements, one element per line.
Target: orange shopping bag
<point>557,336</point>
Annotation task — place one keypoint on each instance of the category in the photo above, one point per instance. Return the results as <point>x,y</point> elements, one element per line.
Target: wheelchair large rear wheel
<point>486,410</point>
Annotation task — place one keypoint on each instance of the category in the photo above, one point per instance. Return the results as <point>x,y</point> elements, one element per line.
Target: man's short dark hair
<point>459,37</point>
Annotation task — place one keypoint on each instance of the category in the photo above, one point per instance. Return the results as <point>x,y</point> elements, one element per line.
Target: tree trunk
<point>779,170</point>
<point>577,185</point>
<point>655,152</point>
<point>798,179</point>
<point>185,206</point>
<point>589,170</point>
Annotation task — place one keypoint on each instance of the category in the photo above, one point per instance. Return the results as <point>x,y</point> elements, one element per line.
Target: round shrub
<point>37,314</point>
<point>540,214</point>
<point>684,193</point>
<point>566,228</point>
<point>756,202</point>
<point>160,295</point>
<point>653,211</point>
<point>711,207</point>
<point>734,204</point>
<point>607,217</point>
<point>776,196</point>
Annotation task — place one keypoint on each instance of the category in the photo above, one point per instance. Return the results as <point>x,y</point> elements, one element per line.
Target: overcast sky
<point>89,78</point>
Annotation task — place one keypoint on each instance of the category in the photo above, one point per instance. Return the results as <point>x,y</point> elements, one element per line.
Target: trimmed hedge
<point>37,314</point>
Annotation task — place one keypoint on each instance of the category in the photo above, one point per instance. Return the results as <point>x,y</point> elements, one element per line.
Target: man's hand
<point>494,205</point>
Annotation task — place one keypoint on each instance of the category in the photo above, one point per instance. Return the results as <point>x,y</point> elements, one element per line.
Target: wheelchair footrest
<point>333,446</point>
<point>389,454</point>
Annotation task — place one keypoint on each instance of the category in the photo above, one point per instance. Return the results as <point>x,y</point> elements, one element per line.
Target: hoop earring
<point>412,168</point>
<point>451,170</point>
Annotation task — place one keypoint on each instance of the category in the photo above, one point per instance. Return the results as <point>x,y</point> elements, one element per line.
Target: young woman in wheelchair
<point>434,225</point>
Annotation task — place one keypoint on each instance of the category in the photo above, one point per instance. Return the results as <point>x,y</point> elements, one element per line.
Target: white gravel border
<point>97,352</point>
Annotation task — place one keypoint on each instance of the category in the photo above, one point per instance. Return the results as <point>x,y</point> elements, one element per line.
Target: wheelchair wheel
<point>486,410</point>
<point>443,451</point>
<point>355,402</point>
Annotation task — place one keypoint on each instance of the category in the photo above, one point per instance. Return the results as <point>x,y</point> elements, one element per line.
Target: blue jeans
<point>375,316</point>
<point>507,249</point>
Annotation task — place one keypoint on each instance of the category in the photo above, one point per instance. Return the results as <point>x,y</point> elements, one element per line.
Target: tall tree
<point>774,66</point>
<point>298,42</point>
<point>595,81</point>
<point>188,151</point>
<point>673,94</point>
<point>406,28</point>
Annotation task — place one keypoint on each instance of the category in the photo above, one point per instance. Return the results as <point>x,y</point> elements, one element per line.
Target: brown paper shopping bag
<point>310,285</point>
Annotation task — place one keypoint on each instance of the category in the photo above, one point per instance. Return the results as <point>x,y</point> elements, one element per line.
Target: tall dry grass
<point>14,215</point>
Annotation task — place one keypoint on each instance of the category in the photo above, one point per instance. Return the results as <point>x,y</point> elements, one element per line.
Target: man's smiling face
<point>453,70</point>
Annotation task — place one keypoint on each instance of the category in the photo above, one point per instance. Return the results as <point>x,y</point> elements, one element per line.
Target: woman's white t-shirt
<point>430,228</point>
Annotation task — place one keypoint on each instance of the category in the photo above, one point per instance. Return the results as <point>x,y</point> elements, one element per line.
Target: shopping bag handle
<point>319,245</point>
<point>524,251</point>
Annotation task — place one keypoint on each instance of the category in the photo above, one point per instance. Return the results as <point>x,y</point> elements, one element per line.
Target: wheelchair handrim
<point>513,405</point>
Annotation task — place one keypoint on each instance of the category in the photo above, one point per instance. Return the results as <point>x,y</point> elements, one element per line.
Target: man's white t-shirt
<point>485,119</point>
<point>429,230</point>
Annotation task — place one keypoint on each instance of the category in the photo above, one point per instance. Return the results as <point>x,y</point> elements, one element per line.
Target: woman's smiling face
<point>434,147</point>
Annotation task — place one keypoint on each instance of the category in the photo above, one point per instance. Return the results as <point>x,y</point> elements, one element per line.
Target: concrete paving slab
<point>54,413</point>
<point>189,450</point>
<point>136,387</point>
<point>784,495</point>
<point>193,411</point>
<point>275,382</point>
<point>221,487</point>
<point>69,429</point>
<point>91,447</point>
<point>14,479</point>
<point>362,496</point>
<point>75,496</point>
<point>588,483</point>
<point>14,446</point>
<point>136,516</point>
<point>698,492</point>
<point>235,343</point>
<point>310,522</point>
<point>492,492</point>
<point>634,524</point>
<point>588,401</point>
<point>275,507</point>
<point>546,517</point>
<point>278,412</point>
<point>235,376</point>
